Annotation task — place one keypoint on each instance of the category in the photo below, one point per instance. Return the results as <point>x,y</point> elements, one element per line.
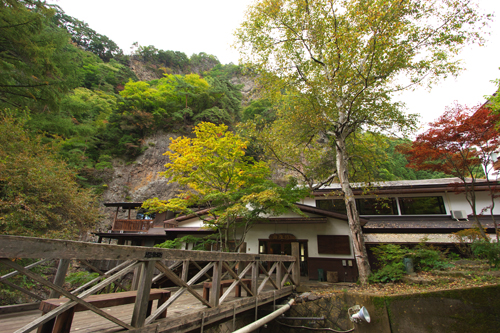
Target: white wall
<point>300,231</point>
<point>452,201</point>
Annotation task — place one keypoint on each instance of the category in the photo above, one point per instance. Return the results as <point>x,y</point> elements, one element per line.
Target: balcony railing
<point>132,225</point>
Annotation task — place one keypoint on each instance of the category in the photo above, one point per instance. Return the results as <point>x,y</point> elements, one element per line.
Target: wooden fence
<point>280,272</point>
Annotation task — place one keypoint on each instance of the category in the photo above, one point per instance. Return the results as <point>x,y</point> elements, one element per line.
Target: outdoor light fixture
<point>358,315</point>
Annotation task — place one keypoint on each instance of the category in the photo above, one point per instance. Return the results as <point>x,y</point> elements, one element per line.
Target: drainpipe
<point>256,324</point>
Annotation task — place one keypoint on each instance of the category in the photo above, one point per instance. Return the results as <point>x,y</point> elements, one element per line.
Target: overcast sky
<point>193,26</point>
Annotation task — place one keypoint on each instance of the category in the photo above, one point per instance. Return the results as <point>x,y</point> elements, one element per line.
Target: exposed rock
<point>141,179</point>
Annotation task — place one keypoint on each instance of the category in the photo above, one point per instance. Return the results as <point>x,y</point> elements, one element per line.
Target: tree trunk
<point>352,212</point>
<point>470,196</point>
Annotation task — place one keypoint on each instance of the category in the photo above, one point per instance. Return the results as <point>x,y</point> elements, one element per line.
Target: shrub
<point>426,258</point>
<point>486,250</point>
<point>464,238</point>
<point>390,256</point>
<point>80,278</point>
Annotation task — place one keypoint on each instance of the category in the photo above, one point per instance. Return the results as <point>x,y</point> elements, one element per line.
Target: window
<point>332,205</point>
<point>422,205</point>
<point>369,206</point>
<point>333,244</point>
<point>377,206</point>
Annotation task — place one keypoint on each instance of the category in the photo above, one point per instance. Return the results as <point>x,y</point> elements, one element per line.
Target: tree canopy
<point>38,193</point>
<point>462,143</point>
<point>217,175</point>
<point>342,59</point>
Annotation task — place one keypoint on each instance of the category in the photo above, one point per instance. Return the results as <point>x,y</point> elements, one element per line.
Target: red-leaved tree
<point>460,143</point>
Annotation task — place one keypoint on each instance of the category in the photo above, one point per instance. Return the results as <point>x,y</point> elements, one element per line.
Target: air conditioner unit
<point>459,215</point>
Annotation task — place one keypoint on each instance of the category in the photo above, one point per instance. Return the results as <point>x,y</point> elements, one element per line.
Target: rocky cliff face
<point>139,180</point>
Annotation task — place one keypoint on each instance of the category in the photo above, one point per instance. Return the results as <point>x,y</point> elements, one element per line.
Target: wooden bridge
<point>265,278</point>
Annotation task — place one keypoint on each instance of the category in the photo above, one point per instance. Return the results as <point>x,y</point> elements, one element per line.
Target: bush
<point>390,273</point>
<point>464,238</point>
<point>80,278</point>
<point>486,250</point>
<point>426,258</point>
<point>390,256</point>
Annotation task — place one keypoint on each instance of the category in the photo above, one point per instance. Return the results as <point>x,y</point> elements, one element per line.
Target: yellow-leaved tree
<point>218,175</point>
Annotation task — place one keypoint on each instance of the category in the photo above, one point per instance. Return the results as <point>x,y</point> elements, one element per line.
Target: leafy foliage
<point>218,175</point>
<point>80,278</point>
<point>38,193</point>
<point>199,244</point>
<point>488,251</point>
<point>461,143</point>
<point>35,57</point>
<point>390,258</point>
<point>341,60</point>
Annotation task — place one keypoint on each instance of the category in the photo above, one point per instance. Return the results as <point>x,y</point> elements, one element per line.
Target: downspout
<point>256,324</point>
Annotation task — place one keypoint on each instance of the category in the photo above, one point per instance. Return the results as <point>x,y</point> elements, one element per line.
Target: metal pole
<point>253,326</point>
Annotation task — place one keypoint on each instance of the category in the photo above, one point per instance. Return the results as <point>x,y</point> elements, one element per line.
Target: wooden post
<point>296,264</point>
<point>135,280</point>
<point>185,270</point>
<point>62,269</point>
<point>255,277</point>
<point>116,218</point>
<point>216,279</point>
<point>279,275</point>
<point>240,266</point>
<point>142,299</point>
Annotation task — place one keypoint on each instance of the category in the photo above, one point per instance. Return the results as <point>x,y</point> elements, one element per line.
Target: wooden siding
<point>334,244</point>
<point>132,225</point>
<point>347,273</point>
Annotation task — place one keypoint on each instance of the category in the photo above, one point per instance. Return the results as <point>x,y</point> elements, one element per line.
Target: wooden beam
<point>21,289</point>
<point>14,273</point>
<point>216,279</point>
<point>62,308</point>
<point>237,280</point>
<point>296,264</point>
<point>142,299</point>
<point>185,270</point>
<point>193,321</point>
<point>5,309</point>
<point>30,247</point>
<point>255,278</point>
<point>62,269</point>
<point>98,271</point>
<point>107,274</point>
<point>268,276</point>
<point>206,275</point>
<point>184,286</point>
<point>279,274</point>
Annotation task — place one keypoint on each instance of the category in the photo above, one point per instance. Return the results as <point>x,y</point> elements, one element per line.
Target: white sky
<point>193,26</point>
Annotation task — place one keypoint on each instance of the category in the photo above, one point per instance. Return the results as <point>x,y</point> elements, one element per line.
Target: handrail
<point>144,260</point>
<point>30,247</point>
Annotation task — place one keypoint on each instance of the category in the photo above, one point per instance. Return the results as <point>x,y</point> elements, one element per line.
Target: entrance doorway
<point>281,244</point>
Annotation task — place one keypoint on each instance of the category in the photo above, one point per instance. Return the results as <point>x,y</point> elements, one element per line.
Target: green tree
<point>217,174</point>
<point>344,58</point>
<point>38,193</point>
<point>33,55</point>
<point>85,37</point>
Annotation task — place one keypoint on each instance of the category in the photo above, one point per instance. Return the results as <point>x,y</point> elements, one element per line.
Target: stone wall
<point>453,311</point>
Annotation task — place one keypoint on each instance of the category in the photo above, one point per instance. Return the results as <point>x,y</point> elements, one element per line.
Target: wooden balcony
<point>132,225</point>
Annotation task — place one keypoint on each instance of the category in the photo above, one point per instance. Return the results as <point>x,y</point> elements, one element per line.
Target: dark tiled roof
<point>423,224</point>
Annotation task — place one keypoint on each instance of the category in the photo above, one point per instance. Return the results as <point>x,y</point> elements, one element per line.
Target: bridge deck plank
<point>88,321</point>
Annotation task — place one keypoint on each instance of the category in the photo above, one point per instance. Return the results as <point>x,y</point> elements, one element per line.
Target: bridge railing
<point>278,272</point>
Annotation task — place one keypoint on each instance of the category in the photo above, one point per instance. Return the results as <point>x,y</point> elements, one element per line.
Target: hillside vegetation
<point>72,96</point>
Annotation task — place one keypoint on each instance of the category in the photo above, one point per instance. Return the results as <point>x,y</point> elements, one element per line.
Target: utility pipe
<point>256,324</point>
